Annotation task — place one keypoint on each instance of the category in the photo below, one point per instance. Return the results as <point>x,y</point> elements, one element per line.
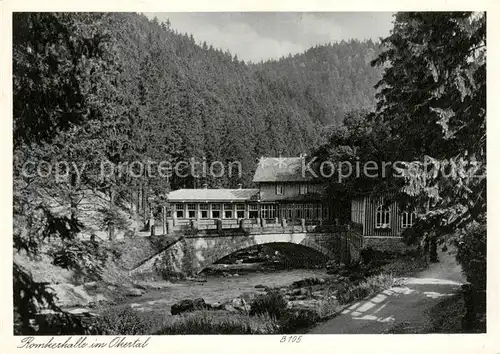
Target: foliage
<point>348,146</point>
<point>272,303</point>
<point>28,295</point>
<point>112,216</point>
<point>87,259</point>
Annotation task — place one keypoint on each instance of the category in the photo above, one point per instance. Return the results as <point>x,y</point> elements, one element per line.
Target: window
<point>240,211</point>
<point>280,189</point>
<point>309,211</point>
<point>192,211</point>
<point>228,211</point>
<point>289,211</point>
<point>179,210</point>
<point>317,211</point>
<point>299,211</point>
<point>407,219</point>
<point>382,217</point>
<point>253,211</point>
<point>325,213</point>
<point>216,211</point>
<point>268,211</point>
<point>303,189</point>
<point>204,211</point>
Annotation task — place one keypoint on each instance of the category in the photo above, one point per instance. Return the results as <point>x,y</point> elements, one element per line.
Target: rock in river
<point>240,304</point>
<point>134,292</point>
<point>188,305</point>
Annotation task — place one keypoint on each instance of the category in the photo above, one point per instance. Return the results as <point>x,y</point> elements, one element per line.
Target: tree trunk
<point>111,226</point>
<point>139,198</point>
<point>144,202</point>
<point>164,219</point>
<point>433,250</point>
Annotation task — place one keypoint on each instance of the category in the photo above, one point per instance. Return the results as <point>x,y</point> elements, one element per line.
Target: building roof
<point>213,195</point>
<point>282,169</point>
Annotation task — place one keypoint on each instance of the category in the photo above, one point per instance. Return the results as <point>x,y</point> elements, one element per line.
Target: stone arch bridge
<point>194,250</point>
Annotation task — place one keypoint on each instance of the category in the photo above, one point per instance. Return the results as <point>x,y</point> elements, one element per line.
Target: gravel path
<point>405,306</point>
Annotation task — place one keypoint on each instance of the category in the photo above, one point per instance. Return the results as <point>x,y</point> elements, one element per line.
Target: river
<point>219,287</point>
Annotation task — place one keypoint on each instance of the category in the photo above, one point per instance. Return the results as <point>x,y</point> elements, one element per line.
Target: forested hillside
<point>188,100</point>
<point>328,81</point>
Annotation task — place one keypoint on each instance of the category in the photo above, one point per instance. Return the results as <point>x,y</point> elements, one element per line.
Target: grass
<point>350,292</point>
<point>444,317</point>
<point>127,321</point>
<point>406,266</point>
<point>219,322</point>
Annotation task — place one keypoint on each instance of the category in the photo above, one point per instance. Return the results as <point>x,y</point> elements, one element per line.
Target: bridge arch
<point>289,253</point>
<point>205,251</point>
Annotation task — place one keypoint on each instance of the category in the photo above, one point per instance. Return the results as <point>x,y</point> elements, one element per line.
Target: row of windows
<point>294,211</point>
<point>267,211</point>
<point>280,189</point>
<point>383,218</point>
<point>215,210</point>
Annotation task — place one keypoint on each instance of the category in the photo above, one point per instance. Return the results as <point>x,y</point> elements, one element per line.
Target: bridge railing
<point>252,226</point>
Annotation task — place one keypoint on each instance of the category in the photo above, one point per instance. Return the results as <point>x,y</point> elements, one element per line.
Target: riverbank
<point>281,301</point>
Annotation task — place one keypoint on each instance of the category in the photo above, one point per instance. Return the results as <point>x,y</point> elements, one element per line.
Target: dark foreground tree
<point>62,71</point>
<point>433,98</point>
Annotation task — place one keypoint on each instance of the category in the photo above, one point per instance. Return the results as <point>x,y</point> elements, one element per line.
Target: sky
<point>255,36</point>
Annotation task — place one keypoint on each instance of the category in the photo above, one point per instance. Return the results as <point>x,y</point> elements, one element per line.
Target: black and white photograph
<point>230,173</point>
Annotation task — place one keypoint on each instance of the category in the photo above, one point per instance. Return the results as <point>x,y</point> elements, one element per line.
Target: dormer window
<point>280,188</point>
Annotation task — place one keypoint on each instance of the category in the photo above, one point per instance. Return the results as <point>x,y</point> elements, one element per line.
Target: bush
<point>474,319</point>
<point>295,318</point>
<point>328,306</point>
<point>272,303</point>
<point>124,321</point>
<point>375,258</point>
<point>471,254</point>
<point>350,291</point>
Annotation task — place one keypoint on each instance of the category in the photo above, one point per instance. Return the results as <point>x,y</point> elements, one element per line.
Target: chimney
<point>239,185</point>
<point>205,186</point>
